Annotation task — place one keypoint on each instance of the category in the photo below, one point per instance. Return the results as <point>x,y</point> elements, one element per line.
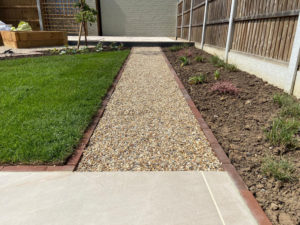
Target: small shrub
<point>225,87</point>
<point>176,48</point>
<point>230,67</point>
<point>282,132</point>
<point>282,169</point>
<point>184,61</point>
<point>116,46</point>
<point>217,75</point>
<point>85,50</point>
<point>282,99</point>
<point>199,79</point>
<point>289,106</point>
<point>216,61</point>
<point>200,59</point>
<point>185,52</point>
<point>99,47</point>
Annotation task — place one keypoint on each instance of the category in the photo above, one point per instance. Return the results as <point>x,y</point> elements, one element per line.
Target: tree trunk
<point>85,32</point>
<point>79,35</point>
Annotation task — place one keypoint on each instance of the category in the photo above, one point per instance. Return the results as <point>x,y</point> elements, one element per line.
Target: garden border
<point>251,202</point>
<point>74,159</point>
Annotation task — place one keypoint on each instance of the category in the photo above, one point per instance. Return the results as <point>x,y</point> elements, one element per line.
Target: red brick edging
<point>251,202</point>
<point>73,161</point>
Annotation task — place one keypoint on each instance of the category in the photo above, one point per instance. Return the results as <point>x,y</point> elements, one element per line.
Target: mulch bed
<point>238,122</point>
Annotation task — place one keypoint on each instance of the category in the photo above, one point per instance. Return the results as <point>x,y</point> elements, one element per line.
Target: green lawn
<point>47,102</point>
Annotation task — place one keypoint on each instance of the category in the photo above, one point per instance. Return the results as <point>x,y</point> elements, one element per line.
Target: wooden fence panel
<point>218,10</point>
<point>216,34</point>
<point>197,21</point>
<point>261,27</point>
<point>260,7</point>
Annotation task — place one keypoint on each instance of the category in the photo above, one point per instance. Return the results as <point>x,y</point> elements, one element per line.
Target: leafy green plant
<point>230,67</point>
<point>99,47</point>
<point>216,61</point>
<point>184,61</point>
<point>281,169</point>
<point>217,75</point>
<point>282,99</point>
<point>116,46</point>
<point>200,59</point>
<point>198,79</point>
<point>289,106</point>
<point>176,48</point>
<point>85,15</point>
<point>282,132</point>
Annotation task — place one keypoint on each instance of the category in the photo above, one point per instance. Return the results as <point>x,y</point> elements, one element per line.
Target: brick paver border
<point>253,205</point>
<point>73,161</point>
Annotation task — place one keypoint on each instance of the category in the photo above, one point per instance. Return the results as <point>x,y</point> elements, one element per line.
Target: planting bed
<point>239,122</point>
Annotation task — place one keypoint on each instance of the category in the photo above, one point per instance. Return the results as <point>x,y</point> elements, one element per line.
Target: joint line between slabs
<point>213,199</point>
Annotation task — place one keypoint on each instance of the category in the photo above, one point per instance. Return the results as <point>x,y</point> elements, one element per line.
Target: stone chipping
<point>147,124</point>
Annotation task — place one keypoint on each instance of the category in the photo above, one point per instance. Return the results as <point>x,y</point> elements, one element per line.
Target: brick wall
<point>138,17</point>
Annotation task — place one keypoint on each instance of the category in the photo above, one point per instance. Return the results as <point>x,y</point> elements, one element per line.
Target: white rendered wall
<point>138,17</point>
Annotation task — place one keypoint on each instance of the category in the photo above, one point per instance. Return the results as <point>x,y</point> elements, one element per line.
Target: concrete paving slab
<point>126,39</point>
<point>111,198</point>
<point>229,203</point>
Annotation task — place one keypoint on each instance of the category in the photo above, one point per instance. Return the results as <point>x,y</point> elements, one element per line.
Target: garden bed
<point>47,103</point>
<point>239,122</point>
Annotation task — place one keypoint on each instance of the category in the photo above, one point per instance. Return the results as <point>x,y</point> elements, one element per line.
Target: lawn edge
<point>74,159</point>
<point>248,197</point>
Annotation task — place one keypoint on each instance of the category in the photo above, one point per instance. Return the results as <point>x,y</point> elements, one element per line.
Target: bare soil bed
<point>239,123</point>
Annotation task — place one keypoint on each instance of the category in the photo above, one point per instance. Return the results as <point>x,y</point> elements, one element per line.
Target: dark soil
<point>238,122</point>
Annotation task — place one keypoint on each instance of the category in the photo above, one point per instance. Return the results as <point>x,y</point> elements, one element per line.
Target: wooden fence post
<point>191,22</point>
<point>183,3</point>
<point>38,4</point>
<point>294,60</point>
<point>230,29</point>
<point>204,23</point>
<point>176,27</point>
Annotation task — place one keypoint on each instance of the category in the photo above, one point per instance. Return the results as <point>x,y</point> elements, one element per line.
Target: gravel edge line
<point>248,197</point>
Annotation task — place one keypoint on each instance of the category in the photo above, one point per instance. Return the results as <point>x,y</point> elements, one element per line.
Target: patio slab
<point>113,198</point>
<point>130,41</point>
<point>127,39</point>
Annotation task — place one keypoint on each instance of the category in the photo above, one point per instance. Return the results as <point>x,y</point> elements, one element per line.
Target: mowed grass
<point>47,102</point>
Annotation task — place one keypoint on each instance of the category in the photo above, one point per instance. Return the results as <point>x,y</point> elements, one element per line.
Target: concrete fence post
<point>204,24</point>
<point>230,29</point>
<point>294,60</point>
<point>183,3</point>
<point>38,4</point>
<point>191,18</point>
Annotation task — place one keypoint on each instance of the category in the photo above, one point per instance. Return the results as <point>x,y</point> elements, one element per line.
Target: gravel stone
<point>147,124</point>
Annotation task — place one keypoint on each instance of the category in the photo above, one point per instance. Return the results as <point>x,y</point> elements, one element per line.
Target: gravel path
<point>147,125</point>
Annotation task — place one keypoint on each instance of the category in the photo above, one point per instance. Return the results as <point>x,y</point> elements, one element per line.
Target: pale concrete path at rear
<point>121,198</point>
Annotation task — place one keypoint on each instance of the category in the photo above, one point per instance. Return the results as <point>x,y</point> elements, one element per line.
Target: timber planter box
<point>32,39</point>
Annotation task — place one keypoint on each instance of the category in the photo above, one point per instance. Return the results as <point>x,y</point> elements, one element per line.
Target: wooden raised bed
<point>32,39</point>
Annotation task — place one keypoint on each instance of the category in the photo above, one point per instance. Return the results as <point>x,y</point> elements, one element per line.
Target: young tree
<point>84,16</point>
